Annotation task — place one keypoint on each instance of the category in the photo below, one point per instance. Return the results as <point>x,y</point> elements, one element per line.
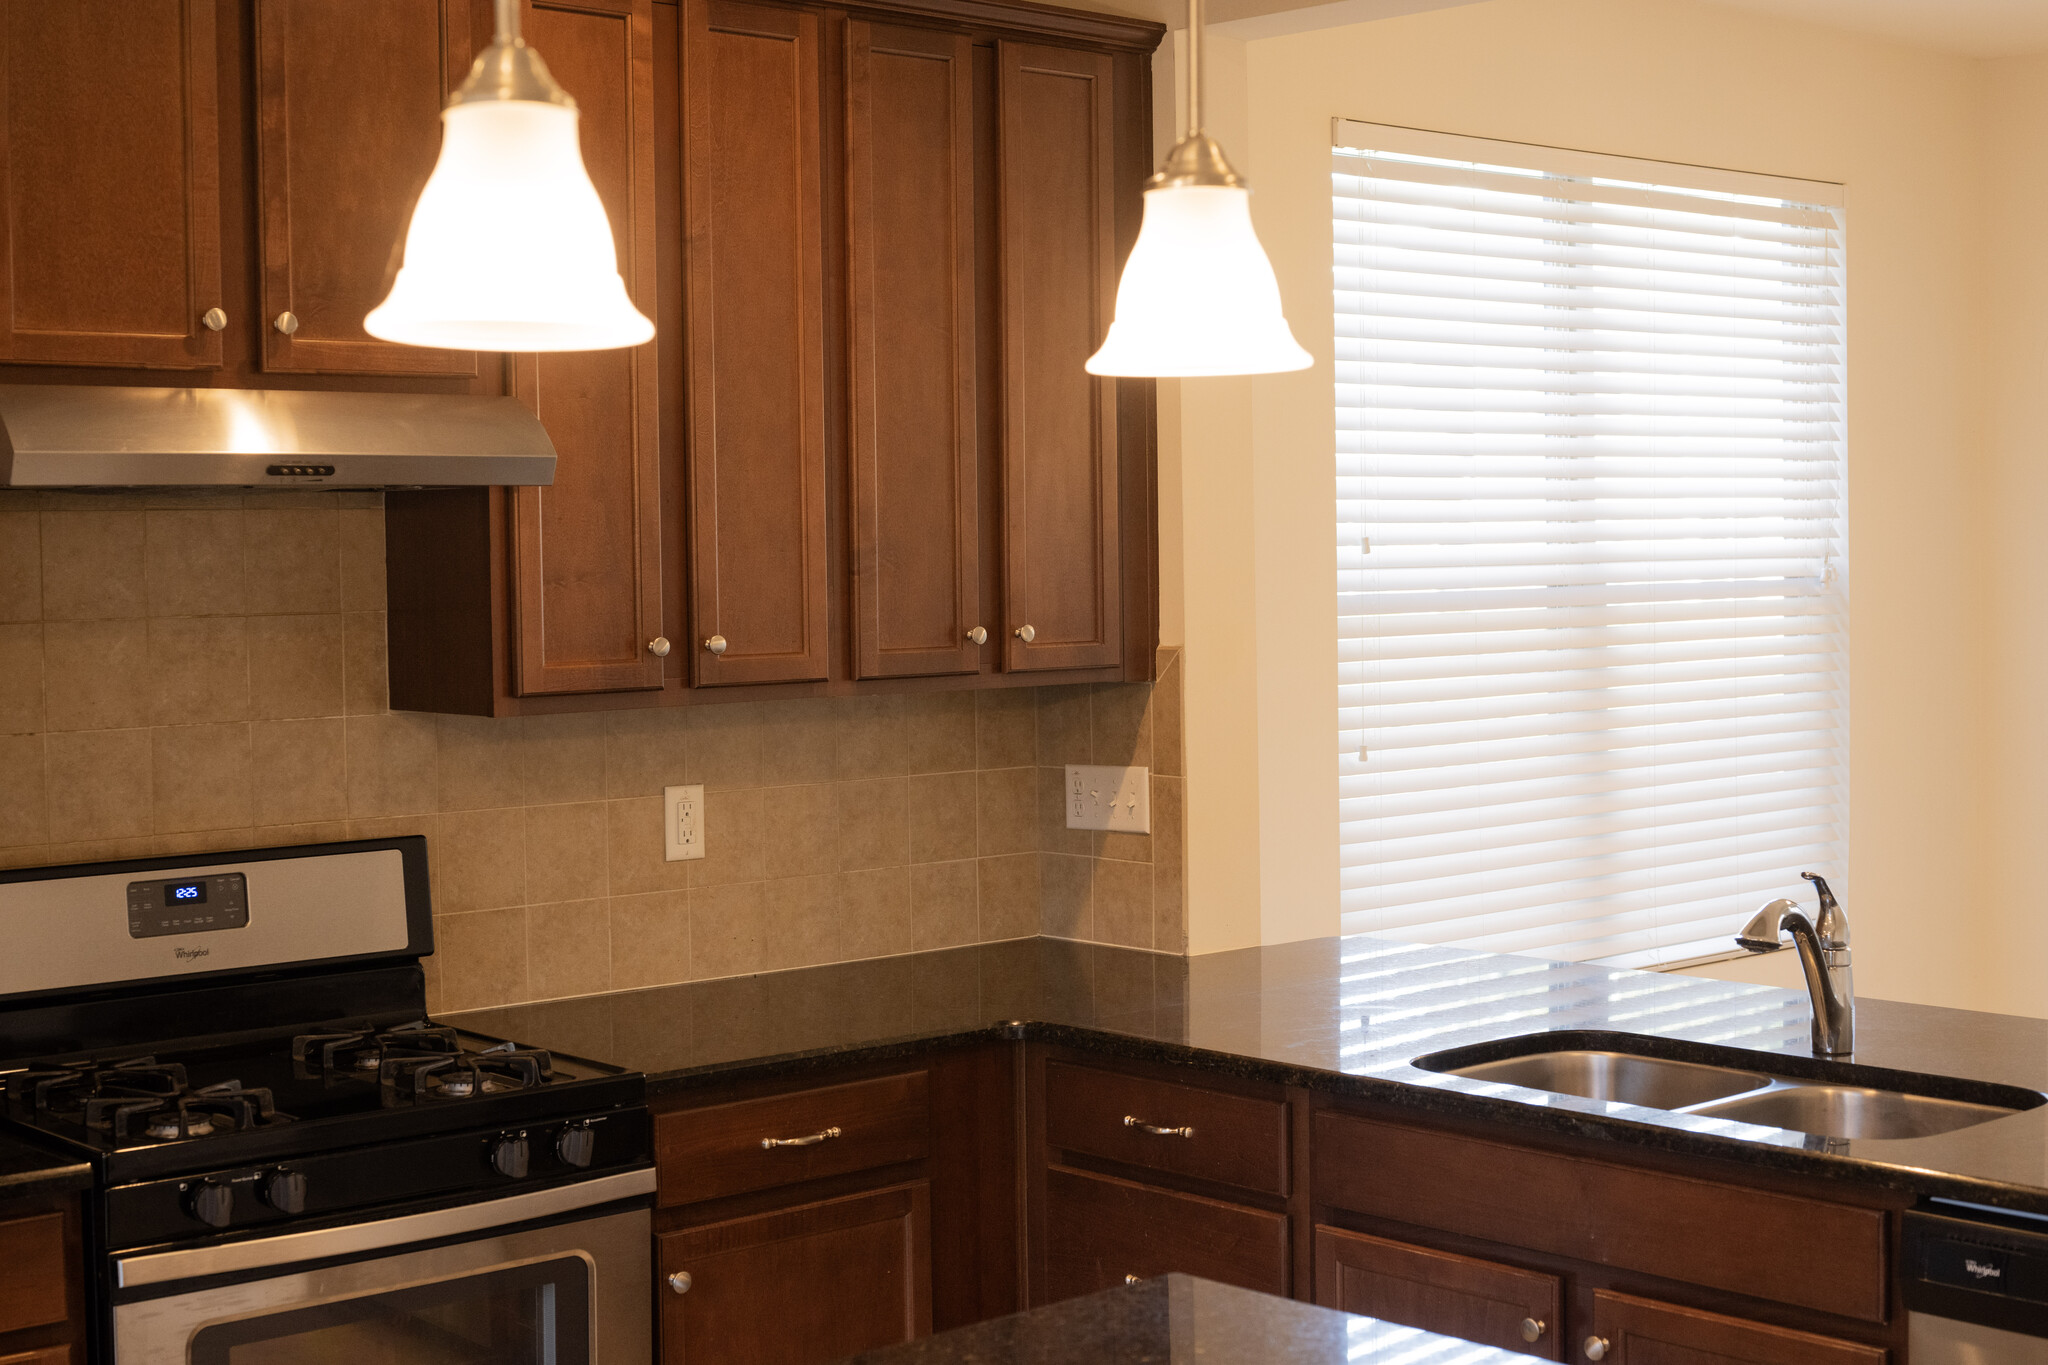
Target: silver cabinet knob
<point>658,646</point>
<point>680,1282</point>
<point>1132,1279</point>
<point>214,319</point>
<point>286,322</point>
<point>1532,1329</point>
<point>1025,633</point>
<point>1596,1348</point>
<point>979,635</point>
<point>716,644</point>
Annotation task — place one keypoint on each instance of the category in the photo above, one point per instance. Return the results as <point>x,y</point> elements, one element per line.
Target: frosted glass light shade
<point>509,248</point>
<point>1198,296</point>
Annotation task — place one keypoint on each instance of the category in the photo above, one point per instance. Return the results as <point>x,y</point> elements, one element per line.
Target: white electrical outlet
<point>1109,798</point>
<point>682,822</point>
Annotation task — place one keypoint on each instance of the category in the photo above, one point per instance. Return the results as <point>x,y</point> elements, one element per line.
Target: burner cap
<point>164,1126</point>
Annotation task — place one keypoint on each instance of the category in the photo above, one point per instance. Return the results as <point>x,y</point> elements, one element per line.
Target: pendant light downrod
<point>510,70</point>
<point>1196,159</point>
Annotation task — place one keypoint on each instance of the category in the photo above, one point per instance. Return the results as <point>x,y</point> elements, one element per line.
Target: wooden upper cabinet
<point>910,267</point>
<point>1062,570</point>
<point>348,125</point>
<point>586,551</point>
<point>755,374</point>
<point>111,156</point>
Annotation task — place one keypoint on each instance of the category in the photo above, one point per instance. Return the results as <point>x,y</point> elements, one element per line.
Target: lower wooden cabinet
<point>799,1286</point>
<point>1459,1296</point>
<point>1100,1230</point>
<point>1645,1332</point>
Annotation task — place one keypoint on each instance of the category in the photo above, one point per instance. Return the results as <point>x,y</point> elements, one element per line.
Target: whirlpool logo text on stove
<point>188,954</point>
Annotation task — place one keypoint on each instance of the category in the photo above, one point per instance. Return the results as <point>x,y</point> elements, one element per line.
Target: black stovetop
<point>190,1106</point>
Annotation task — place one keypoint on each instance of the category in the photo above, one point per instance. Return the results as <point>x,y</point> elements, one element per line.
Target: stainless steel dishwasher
<point>1976,1285</point>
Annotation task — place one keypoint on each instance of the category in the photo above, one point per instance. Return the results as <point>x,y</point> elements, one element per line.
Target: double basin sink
<point>1837,1100</point>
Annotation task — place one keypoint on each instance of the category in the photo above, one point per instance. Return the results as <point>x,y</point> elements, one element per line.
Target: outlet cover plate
<point>1117,799</point>
<point>682,822</point>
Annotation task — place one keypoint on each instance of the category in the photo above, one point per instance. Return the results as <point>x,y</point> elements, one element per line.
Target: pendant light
<point>1198,296</point>
<point>509,248</point>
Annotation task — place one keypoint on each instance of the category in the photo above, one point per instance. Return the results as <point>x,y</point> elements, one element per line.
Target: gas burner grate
<point>68,1089</point>
<point>359,1052</point>
<point>226,1106</point>
<point>496,1070</point>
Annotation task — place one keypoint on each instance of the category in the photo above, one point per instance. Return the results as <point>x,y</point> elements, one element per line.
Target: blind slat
<point>1591,690</point>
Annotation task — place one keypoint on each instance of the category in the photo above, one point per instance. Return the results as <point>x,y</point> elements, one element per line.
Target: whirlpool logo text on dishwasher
<point>189,954</point>
<point>1981,1270</point>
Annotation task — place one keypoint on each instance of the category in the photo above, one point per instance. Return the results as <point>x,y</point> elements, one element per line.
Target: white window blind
<point>1593,699</point>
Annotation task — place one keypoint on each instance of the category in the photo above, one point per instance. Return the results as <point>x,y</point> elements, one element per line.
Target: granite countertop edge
<point>1849,1168</point>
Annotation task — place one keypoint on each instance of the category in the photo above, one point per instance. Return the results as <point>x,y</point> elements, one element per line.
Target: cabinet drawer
<point>1645,1332</point>
<point>1211,1135</point>
<point>1459,1296</point>
<point>1099,1229</point>
<point>32,1289</point>
<point>1702,1232</point>
<point>717,1151</point>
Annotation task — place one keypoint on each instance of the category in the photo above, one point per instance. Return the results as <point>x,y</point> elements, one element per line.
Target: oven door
<point>552,1277</point>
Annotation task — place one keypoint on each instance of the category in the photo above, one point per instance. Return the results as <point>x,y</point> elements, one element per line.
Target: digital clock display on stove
<point>187,905</point>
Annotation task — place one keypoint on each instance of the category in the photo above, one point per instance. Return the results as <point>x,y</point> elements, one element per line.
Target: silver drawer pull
<point>811,1141</point>
<point>1133,1279</point>
<point>1596,1348</point>
<point>1533,1329</point>
<point>1133,1121</point>
<point>681,1282</point>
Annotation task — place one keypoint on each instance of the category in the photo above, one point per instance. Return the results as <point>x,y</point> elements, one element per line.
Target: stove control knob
<point>576,1145</point>
<point>212,1202</point>
<point>284,1191</point>
<point>509,1157</point>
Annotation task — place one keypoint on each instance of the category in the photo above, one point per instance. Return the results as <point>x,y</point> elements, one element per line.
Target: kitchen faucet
<point>1823,953</point>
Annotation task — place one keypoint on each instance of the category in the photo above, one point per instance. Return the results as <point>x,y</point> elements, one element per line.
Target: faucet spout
<point>1823,957</point>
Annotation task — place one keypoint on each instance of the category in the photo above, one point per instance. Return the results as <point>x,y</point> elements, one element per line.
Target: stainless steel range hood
<point>86,436</point>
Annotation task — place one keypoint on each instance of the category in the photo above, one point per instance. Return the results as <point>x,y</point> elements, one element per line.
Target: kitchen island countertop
<point>1342,1016</point>
<point>28,1171</point>
<point>1180,1318</point>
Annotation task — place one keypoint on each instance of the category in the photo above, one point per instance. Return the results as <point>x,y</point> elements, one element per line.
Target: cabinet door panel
<point>586,551</point>
<point>1059,439</point>
<point>800,1286</point>
<point>32,1292</point>
<point>348,122</point>
<point>1458,1296</point>
<point>1645,1332</point>
<point>1099,1229</point>
<point>910,224</point>
<point>111,160</point>
<point>756,368</point>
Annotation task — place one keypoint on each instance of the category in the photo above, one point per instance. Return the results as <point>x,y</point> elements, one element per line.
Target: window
<point>1593,693</point>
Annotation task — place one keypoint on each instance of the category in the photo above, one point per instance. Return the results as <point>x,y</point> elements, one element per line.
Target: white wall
<point>1679,80</point>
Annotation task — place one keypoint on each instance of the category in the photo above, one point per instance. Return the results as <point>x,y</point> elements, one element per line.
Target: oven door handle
<point>354,1238</point>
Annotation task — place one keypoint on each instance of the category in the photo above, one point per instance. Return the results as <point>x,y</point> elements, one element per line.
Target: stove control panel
<point>188,905</point>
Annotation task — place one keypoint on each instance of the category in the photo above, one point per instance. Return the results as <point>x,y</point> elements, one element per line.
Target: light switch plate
<point>1109,798</point>
<point>682,822</point>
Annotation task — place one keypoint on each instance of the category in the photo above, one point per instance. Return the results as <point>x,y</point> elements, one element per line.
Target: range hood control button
<point>509,1157</point>
<point>576,1145</point>
<point>284,1191</point>
<point>212,1202</point>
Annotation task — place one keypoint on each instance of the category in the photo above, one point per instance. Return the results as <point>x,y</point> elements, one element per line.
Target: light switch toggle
<point>1117,799</point>
<point>682,822</point>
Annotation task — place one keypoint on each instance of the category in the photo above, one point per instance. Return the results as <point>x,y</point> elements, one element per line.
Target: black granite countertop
<point>1177,1318</point>
<point>31,1172</point>
<point>1342,1015</point>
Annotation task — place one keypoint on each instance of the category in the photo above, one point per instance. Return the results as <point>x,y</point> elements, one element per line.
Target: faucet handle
<point>1831,925</point>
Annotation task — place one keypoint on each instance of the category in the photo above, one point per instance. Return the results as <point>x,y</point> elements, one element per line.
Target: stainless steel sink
<point>1622,1077</point>
<point>1831,1104</point>
<point>1849,1111</point>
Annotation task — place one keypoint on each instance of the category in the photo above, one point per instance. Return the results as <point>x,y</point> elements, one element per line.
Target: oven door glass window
<point>535,1314</point>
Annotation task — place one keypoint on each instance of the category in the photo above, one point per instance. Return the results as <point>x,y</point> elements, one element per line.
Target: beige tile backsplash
<point>187,671</point>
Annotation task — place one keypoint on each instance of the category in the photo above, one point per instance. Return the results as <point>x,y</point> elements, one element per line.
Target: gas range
<point>238,1044</point>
